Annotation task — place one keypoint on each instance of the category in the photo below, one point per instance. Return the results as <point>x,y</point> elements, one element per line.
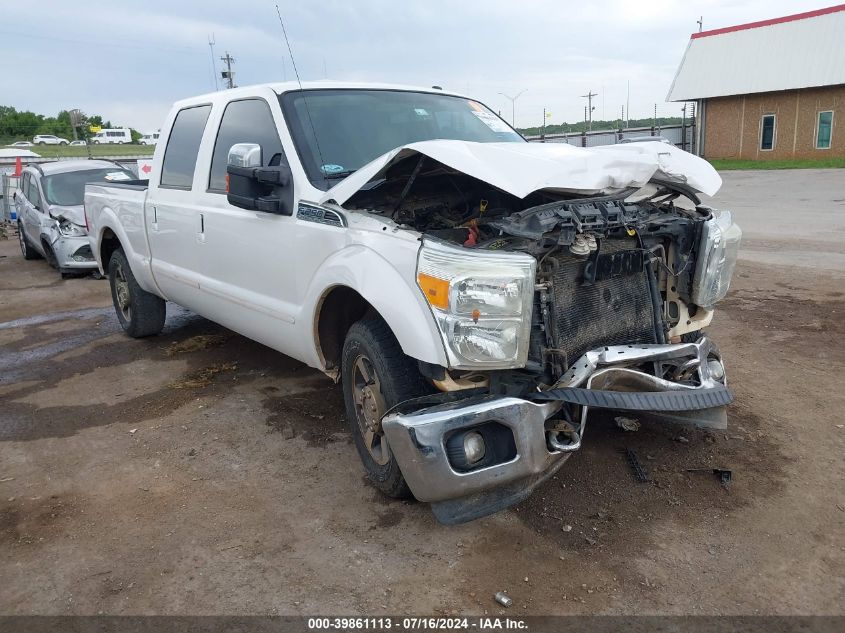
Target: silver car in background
<point>51,218</point>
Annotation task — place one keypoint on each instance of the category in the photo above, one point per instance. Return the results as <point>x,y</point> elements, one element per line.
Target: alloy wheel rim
<point>369,409</point>
<point>121,291</point>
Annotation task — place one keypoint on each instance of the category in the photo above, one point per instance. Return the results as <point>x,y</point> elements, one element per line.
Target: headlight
<point>717,253</point>
<point>481,301</point>
<point>69,229</point>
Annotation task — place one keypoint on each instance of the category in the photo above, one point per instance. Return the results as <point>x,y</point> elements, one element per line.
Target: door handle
<point>154,224</point>
<point>201,234</point>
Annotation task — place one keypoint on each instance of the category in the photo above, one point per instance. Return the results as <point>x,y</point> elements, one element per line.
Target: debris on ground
<point>203,377</point>
<point>639,470</point>
<point>682,439</point>
<point>503,599</point>
<point>627,424</point>
<point>195,344</point>
<point>723,474</point>
<point>133,431</point>
<point>566,528</point>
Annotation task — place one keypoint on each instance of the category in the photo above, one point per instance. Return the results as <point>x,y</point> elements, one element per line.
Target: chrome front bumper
<point>601,378</point>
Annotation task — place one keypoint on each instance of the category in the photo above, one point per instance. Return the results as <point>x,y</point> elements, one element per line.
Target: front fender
<point>385,279</point>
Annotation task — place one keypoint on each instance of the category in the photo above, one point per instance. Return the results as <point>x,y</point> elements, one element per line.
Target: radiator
<point>614,310</point>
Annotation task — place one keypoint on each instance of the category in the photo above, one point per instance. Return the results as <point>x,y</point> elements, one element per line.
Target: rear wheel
<point>140,313</point>
<point>376,376</point>
<point>26,250</point>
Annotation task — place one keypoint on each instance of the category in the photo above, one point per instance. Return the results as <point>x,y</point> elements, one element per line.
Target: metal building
<point>768,90</point>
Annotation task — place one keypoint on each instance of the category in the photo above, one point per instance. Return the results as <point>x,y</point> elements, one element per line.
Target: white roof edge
<point>677,72</point>
<point>321,84</point>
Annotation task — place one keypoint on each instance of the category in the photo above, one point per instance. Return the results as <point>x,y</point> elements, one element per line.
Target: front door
<point>247,257</point>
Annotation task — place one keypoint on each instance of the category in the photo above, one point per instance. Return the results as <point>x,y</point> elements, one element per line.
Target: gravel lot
<point>199,472</point>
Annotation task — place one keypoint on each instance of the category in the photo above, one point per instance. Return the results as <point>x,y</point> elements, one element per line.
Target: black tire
<point>26,248</point>
<point>692,337</point>
<point>397,378</point>
<point>139,312</point>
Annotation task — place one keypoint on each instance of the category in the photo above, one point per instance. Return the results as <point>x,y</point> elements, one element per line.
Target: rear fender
<point>139,259</point>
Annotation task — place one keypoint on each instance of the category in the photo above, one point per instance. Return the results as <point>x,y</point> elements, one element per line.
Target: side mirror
<point>252,186</point>
<point>245,155</point>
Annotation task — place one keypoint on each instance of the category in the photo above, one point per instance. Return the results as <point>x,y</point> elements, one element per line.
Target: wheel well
<point>338,310</point>
<point>108,245</point>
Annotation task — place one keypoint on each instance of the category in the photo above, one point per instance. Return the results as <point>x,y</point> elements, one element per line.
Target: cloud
<point>129,61</point>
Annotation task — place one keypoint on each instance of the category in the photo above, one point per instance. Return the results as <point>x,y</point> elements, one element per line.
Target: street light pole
<point>513,105</point>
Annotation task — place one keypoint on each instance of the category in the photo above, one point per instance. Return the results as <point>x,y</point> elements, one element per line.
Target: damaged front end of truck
<point>584,286</point>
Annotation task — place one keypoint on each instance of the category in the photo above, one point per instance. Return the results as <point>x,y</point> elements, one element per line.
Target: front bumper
<point>624,377</point>
<point>72,253</point>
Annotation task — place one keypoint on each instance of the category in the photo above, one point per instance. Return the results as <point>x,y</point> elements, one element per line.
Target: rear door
<point>171,214</point>
<point>29,210</point>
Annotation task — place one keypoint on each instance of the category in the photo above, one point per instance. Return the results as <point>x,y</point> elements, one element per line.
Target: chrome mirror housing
<point>245,155</point>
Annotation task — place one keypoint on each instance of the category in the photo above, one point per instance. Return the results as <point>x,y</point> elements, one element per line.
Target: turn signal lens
<point>435,290</point>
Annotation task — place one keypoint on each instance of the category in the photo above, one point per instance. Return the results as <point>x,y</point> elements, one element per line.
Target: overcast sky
<point>129,60</point>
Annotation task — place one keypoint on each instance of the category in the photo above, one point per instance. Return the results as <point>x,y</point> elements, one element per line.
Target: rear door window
<point>25,186</point>
<point>180,156</point>
<point>245,121</point>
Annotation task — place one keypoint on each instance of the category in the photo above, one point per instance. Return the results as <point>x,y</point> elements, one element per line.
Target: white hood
<point>523,168</point>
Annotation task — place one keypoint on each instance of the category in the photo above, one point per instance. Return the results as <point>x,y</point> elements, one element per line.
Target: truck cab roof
<point>291,86</point>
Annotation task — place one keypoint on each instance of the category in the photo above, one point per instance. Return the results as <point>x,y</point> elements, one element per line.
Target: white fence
<point>682,136</point>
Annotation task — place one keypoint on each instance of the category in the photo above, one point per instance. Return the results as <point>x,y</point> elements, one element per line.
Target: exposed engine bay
<point>612,269</point>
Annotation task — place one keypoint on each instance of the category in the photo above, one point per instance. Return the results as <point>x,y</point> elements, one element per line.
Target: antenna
<point>299,81</point>
<point>211,43</point>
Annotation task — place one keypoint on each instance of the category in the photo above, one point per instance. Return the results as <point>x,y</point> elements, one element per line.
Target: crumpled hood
<point>75,214</point>
<point>523,168</point>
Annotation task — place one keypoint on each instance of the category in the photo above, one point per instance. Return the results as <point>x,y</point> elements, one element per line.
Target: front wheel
<point>376,376</point>
<point>26,250</point>
<point>140,313</point>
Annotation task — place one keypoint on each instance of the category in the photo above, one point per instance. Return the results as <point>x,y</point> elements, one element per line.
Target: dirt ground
<point>200,473</point>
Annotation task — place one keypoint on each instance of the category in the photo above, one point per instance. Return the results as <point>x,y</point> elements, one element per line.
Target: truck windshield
<point>68,189</point>
<point>338,131</point>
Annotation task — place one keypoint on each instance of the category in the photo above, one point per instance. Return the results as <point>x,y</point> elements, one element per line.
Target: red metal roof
<point>754,25</point>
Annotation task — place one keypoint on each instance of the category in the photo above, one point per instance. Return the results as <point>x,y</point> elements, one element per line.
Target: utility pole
<point>513,105</point>
<point>227,74</point>
<point>589,97</point>
<point>700,22</point>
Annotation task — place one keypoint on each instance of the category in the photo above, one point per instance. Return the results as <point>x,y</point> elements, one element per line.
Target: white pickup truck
<point>476,295</point>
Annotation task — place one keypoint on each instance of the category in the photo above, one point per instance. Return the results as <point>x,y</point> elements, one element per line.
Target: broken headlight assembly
<point>69,229</point>
<point>717,254</point>
<point>481,301</point>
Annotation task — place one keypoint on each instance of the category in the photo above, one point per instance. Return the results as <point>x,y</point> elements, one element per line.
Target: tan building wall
<point>733,125</point>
